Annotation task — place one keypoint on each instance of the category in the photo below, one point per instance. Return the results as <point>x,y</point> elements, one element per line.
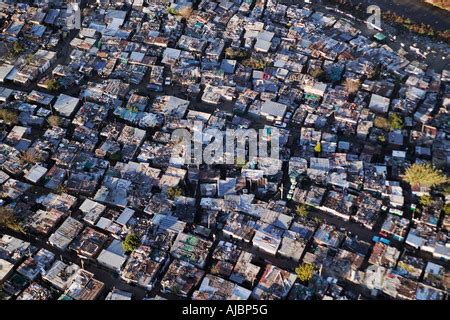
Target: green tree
<point>302,210</point>
<point>424,175</point>
<point>304,272</point>
<point>8,116</point>
<point>425,200</point>
<point>52,84</point>
<point>9,221</point>
<point>131,243</point>
<point>17,48</point>
<point>395,122</point>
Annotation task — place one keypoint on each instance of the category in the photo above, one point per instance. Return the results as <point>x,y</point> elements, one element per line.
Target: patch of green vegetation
<point>173,193</point>
<point>395,122</point>
<point>131,242</point>
<point>304,272</point>
<point>52,85</point>
<point>9,116</point>
<point>257,64</point>
<point>424,175</point>
<point>302,210</point>
<point>17,48</point>
<point>425,200</point>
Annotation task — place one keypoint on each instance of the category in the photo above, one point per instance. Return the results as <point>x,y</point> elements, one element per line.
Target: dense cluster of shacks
<point>136,71</point>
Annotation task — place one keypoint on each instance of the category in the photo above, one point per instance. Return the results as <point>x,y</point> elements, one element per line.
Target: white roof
<point>170,54</point>
<point>126,215</point>
<point>318,88</point>
<point>103,223</point>
<point>273,108</point>
<point>88,205</point>
<point>251,33</point>
<point>169,223</point>
<point>379,103</point>
<point>262,45</point>
<point>265,35</point>
<point>414,240</point>
<point>113,256</point>
<point>137,56</point>
<point>66,105</point>
<point>35,173</point>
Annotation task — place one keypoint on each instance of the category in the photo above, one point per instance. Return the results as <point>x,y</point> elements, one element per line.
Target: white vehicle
<point>168,81</point>
<point>279,124</point>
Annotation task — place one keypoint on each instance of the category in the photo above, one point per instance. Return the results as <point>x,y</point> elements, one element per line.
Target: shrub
<point>131,243</point>
<point>231,53</point>
<point>257,64</point>
<point>381,123</point>
<point>425,200</point>
<point>172,193</point>
<point>173,12</point>
<point>54,121</point>
<point>17,48</point>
